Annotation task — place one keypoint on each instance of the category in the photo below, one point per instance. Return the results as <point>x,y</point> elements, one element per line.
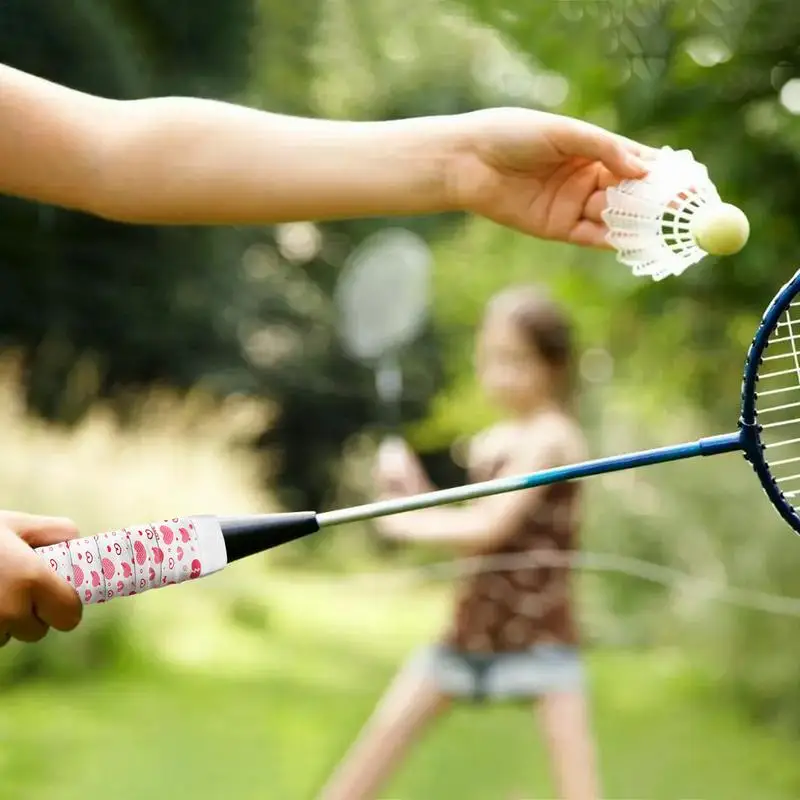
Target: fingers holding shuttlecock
<point>672,218</point>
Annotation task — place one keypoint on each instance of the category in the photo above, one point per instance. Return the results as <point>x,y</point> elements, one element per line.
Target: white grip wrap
<point>132,560</point>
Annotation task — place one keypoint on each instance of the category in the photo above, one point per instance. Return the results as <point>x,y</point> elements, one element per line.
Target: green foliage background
<point>102,311</point>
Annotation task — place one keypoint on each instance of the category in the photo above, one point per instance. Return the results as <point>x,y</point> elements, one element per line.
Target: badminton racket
<point>135,559</point>
<point>383,298</point>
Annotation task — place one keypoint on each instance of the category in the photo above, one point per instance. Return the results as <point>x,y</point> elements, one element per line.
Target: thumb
<point>38,531</point>
<point>624,157</point>
<point>56,602</point>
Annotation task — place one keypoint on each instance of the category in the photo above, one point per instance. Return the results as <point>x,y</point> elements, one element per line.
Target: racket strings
<point>778,402</point>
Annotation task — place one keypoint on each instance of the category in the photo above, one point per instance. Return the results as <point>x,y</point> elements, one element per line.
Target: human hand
<point>32,597</point>
<point>540,173</point>
<point>397,471</point>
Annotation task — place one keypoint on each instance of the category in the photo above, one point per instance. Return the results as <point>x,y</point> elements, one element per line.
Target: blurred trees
<point>101,311</point>
<point>718,78</point>
<point>98,309</point>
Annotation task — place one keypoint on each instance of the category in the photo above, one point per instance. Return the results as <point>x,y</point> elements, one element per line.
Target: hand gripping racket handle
<point>133,560</point>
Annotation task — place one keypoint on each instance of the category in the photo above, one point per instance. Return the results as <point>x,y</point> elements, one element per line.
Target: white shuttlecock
<point>672,218</point>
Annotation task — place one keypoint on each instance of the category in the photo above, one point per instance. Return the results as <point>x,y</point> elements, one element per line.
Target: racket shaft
<point>132,560</point>
<point>714,445</point>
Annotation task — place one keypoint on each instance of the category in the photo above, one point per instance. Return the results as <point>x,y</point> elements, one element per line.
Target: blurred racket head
<point>384,294</point>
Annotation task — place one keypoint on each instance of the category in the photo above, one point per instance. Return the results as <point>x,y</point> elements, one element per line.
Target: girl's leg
<point>565,720</point>
<point>411,702</point>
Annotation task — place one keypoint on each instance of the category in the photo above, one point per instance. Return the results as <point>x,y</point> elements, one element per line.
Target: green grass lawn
<point>266,714</point>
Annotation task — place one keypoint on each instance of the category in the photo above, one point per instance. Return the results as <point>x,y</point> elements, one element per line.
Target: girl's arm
<point>398,471</point>
<point>486,522</point>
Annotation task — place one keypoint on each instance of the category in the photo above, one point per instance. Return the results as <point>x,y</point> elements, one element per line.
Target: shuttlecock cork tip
<point>721,230</point>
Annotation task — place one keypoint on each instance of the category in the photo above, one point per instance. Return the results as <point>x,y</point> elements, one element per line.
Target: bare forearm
<point>453,526</point>
<point>191,161</point>
<point>188,161</point>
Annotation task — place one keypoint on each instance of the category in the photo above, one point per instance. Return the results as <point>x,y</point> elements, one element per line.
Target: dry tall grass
<point>179,460</point>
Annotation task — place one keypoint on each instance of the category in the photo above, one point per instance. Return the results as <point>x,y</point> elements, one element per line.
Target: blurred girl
<point>513,633</point>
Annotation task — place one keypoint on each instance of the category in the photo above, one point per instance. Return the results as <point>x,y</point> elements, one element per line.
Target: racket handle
<point>133,560</point>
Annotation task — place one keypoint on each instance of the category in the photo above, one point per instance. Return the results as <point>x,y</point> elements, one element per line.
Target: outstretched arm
<point>490,520</point>
<point>179,160</point>
<point>185,160</point>
<point>481,523</point>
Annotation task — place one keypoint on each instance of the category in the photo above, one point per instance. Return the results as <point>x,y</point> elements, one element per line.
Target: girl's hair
<point>544,326</point>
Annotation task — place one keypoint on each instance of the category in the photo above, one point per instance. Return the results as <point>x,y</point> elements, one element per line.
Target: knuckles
<point>68,526</point>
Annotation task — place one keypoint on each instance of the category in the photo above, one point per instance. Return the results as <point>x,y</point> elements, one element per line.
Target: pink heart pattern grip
<point>127,561</point>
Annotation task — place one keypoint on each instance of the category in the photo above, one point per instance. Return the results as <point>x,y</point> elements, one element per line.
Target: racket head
<point>383,295</point>
<point>770,402</point>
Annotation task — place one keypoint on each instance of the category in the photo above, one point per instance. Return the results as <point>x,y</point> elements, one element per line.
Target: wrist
<point>464,173</point>
<point>429,152</point>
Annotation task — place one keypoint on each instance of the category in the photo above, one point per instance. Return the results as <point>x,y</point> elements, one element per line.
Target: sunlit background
<point>150,373</point>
